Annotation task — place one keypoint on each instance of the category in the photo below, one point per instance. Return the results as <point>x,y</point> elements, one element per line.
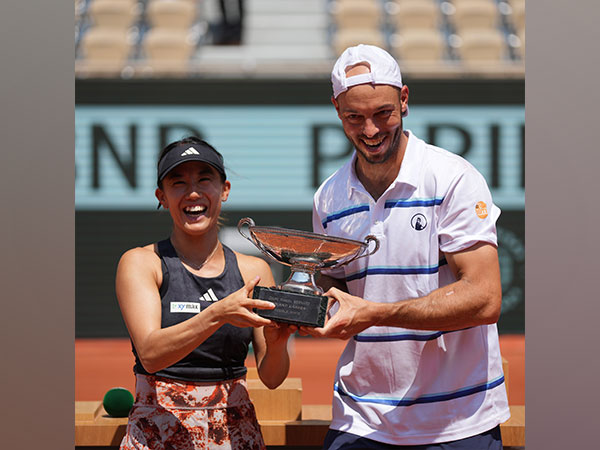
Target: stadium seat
<point>105,44</point>
<point>350,37</point>
<point>360,14</point>
<point>481,46</point>
<point>422,45</point>
<point>471,14</point>
<point>521,36</point>
<point>518,14</point>
<point>166,48</point>
<point>414,14</point>
<point>176,14</point>
<point>113,13</point>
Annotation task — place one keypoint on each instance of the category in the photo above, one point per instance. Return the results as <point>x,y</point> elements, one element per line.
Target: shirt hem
<point>361,429</point>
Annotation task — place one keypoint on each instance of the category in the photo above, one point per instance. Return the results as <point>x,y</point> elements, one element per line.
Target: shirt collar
<point>408,173</point>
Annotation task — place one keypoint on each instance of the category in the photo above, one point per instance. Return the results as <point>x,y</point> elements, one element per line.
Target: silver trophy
<point>299,300</point>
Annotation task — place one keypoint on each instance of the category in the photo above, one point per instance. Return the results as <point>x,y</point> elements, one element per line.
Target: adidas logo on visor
<point>190,151</point>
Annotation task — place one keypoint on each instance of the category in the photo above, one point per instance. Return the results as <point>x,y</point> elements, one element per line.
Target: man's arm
<point>474,299</point>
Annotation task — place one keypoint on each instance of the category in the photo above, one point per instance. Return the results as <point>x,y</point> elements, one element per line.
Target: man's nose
<point>370,129</point>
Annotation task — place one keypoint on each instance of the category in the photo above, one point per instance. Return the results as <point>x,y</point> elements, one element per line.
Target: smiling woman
<point>187,305</point>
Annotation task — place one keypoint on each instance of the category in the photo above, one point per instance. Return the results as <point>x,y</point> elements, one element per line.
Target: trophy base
<point>307,310</point>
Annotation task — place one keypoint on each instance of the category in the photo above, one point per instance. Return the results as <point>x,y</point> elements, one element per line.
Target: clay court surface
<point>101,364</point>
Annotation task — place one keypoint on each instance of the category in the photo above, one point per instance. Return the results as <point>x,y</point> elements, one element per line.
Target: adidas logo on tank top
<point>209,296</point>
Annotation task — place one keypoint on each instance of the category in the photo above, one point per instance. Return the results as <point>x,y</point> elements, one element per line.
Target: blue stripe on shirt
<point>407,336</point>
<point>344,213</point>
<point>410,203</point>
<point>395,203</point>
<point>396,270</point>
<point>393,271</point>
<point>398,337</point>
<point>428,398</point>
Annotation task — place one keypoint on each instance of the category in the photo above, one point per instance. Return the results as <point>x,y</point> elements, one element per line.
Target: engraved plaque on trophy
<point>299,300</point>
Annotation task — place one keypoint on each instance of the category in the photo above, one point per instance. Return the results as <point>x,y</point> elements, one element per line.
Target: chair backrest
<point>113,13</point>
<point>521,36</point>
<point>415,14</point>
<point>518,14</point>
<point>168,45</point>
<point>475,14</point>
<point>482,46</point>
<point>175,14</point>
<point>351,37</point>
<point>357,14</point>
<point>423,45</point>
<point>105,44</point>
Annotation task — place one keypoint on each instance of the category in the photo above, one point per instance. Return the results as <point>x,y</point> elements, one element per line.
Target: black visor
<point>190,152</point>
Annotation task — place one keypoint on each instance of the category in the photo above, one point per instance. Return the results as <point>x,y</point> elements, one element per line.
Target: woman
<point>186,303</point>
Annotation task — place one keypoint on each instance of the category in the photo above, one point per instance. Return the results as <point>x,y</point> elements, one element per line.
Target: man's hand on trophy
<point>236,308</point>
<point>347,316</point>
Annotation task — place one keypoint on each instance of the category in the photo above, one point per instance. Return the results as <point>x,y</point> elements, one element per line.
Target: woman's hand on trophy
<point>236,308</point>
<point>278,333</point>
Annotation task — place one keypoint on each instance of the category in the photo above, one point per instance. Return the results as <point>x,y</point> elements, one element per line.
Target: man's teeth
<point>373,143</point>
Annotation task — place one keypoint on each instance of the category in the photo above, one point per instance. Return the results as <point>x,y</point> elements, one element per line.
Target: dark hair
<point>187,140</point>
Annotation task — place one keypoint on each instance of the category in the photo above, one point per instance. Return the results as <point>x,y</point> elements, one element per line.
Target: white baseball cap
<point>383,69</point>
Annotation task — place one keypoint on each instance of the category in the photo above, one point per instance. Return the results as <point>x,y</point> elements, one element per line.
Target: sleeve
<point>467,214</point>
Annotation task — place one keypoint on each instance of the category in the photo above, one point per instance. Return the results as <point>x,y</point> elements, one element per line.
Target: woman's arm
<point>138,281</point>
<point>269,342</point>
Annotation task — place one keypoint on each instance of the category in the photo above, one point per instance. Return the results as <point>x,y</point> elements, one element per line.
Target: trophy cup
<point>299,301</point>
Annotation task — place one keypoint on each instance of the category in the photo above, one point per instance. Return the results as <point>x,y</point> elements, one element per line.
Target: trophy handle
<point>246,221</point>
<point>367,240</point>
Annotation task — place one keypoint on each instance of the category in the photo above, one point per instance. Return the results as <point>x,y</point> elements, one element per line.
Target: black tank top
<point>183,294</point>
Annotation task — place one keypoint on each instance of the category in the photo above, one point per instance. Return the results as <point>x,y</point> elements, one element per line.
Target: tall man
<point>422,366</point>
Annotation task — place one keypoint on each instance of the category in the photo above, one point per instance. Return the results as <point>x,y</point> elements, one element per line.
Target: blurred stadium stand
<point>178,38</point>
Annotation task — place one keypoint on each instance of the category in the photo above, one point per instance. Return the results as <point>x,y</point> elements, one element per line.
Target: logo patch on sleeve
<point>481,210</point>
<point>185,307</point>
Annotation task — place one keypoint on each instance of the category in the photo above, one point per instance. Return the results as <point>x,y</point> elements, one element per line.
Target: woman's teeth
<point>194,209</point>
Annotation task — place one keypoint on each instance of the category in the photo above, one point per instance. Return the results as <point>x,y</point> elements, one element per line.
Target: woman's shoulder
<point>146,255</point>
<point>249,261</point>
<point>250,266</point>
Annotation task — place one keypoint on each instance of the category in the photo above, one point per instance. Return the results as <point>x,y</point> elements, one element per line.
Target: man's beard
<point>392,150</point>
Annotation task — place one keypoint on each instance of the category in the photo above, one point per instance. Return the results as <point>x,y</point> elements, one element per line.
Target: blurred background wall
<point>252,78</point>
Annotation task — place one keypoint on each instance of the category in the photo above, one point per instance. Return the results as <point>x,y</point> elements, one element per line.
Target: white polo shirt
<point>402,386</point>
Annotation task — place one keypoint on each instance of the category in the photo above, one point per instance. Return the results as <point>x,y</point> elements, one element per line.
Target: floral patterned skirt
<point>171,414</point>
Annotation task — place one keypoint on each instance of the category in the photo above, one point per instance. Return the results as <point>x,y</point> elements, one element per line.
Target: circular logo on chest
<point>418,222</point>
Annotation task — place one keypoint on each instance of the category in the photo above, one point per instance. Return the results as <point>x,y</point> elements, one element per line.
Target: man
<point>422,366</point>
